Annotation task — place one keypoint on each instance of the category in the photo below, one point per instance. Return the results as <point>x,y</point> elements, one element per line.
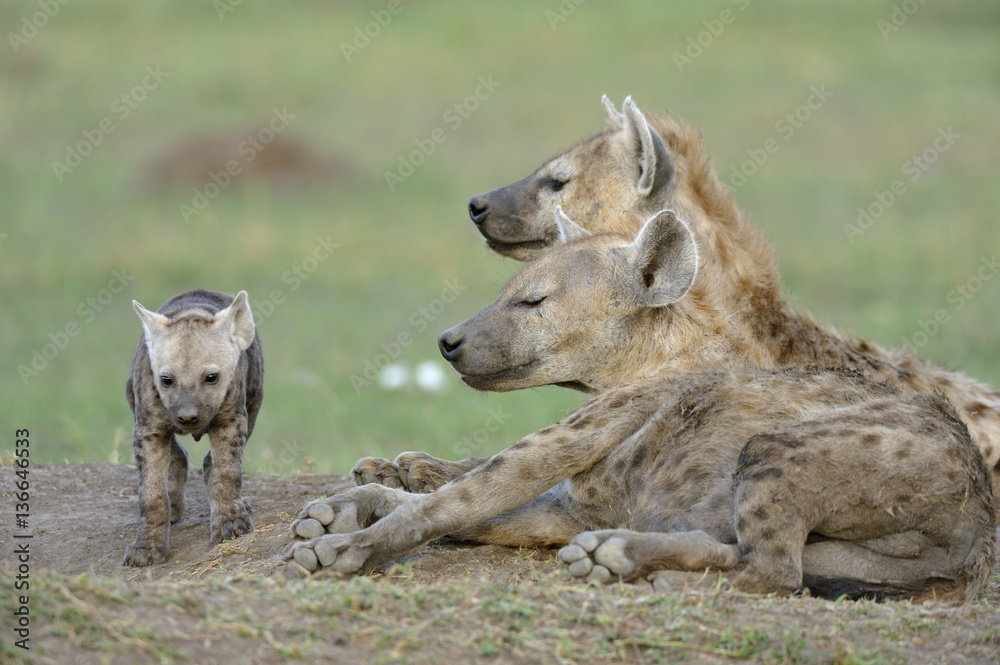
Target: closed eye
<point>555,184</point>
<point>533,302</point>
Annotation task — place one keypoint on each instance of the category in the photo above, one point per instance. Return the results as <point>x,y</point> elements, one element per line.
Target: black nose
<point>450,343</point>
<point>187,416</point>
<point>479,209</point>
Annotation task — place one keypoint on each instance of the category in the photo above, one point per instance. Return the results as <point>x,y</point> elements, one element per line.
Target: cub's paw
<point>225,527</point>
<point>140,555</point>
<point>598,556</point>
<point>338,554</point>
<point>353,510</point>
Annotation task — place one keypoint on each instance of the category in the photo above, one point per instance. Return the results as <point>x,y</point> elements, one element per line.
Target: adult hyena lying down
<point>198,369</point>
<point>614,181</point>
<point>789,479</point>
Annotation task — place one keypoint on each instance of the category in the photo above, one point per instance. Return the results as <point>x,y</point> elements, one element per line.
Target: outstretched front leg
<point>412,471</point>
<point>505,483</point>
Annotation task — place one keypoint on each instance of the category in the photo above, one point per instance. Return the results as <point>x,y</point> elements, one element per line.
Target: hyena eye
<point>212,378</point>
<point>533,302</point>
<point>166,381</point>
<point>555,184</point>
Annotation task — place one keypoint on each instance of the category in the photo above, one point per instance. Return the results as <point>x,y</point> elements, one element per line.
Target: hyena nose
<point>450,343</point>
<point>479,209</point>
<point>187,416</point>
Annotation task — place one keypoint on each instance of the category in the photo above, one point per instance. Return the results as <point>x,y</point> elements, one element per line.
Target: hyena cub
<point>198,369</point>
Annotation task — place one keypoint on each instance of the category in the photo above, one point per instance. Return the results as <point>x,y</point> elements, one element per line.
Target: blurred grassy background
<point>398,250</point>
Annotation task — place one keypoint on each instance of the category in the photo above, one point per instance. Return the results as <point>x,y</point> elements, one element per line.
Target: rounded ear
<point>665,260</point>
<point>568,229</point>
<point>239,320</point>
<point>649,152</point>
<point>614,119</point>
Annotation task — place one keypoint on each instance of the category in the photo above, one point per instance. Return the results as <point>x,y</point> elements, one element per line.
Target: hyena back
<point>198,369</point>
<point>694,458</point>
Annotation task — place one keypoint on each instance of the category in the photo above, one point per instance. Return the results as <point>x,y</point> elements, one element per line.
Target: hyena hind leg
<point>176,478</point>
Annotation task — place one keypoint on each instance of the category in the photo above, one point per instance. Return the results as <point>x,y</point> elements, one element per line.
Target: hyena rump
<point>691,455</point>
<point>198,369</point>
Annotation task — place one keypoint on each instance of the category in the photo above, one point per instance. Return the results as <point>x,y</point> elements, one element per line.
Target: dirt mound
<point>237,160</point>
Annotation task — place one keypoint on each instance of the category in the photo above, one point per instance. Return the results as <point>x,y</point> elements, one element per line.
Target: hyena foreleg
<point>223,467</point>
<point>153,461</point>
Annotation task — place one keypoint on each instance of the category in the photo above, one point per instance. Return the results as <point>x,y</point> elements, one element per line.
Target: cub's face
<point>193,366</point>
<point>194,357</point>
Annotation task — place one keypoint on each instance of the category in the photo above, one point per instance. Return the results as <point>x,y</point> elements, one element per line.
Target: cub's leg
<point>412,471</point>
<point>153,456</point>
<point>223,472</point>
<point>613,554</point>
<point>176,478</point>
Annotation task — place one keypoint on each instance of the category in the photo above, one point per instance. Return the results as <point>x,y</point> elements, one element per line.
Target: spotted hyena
<point>639,164</point>
<point>198,369</point>
<point>691,455</point>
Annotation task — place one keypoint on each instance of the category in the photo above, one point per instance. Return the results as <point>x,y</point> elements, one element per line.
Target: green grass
<point>62,240</point>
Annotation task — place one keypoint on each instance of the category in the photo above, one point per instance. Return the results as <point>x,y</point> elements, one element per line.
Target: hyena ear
<point>238,320</point>
<point>153,324</point>
<point>650,154</point>
<point>614,118</point>
<point>568,229</point>
<point>665,260</point>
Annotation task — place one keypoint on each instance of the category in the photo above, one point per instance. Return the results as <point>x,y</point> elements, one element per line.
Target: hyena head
<point>194,356</point>
<point>610,183</point>
<point>588,315</point>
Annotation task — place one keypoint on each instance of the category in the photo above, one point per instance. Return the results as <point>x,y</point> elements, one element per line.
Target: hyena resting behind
<point>198,369</point>
<point>789,479</point>
<point>641,164</point>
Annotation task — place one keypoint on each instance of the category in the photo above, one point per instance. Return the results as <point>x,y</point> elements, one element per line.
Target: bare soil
<point>453,602</point>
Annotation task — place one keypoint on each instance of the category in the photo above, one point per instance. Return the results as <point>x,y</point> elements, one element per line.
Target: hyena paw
<point>598,556</point>
<point>334,553</point>
<point>142,554</point>
<point>233,525</point>
<point>414,471</point>
<point>353,510</point>
<point>377,471</point>
<point>176,509</point>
